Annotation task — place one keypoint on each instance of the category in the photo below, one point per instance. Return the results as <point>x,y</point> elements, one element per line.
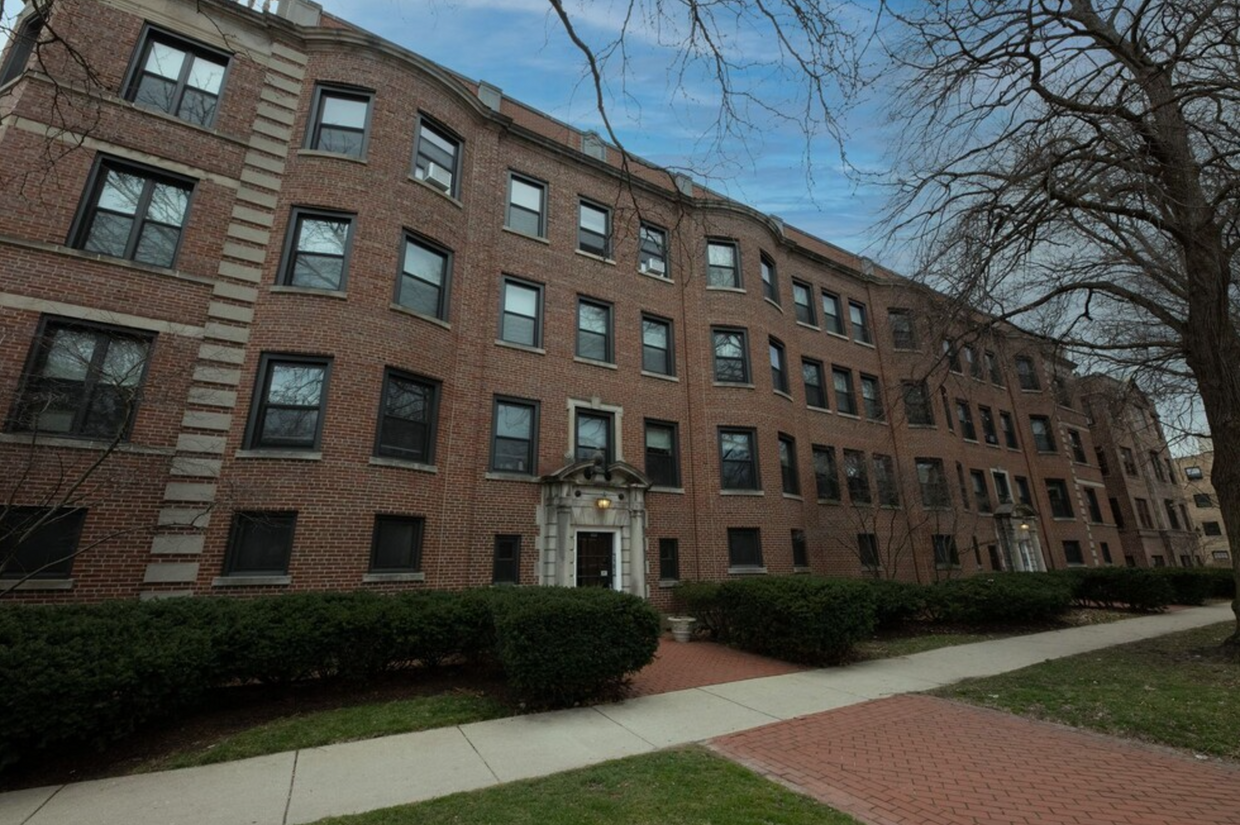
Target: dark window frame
<point>935,492</point>
<point>137,63</point>
<point>609,449</point>
<point>1027,374</point>
<point>819,400</point>
<point>872,404</point>
<point>1060,497</point>
<point>70,519</point>
<point>740,556</point>
<point>754,465</point>
<point>1073,555</point>
<point>259,404</point>
<point>314,124</point>
<point>769,273</point>
<point>288,257</point>
<point>1093,504</point>
<point>539,290</point>
<point>445,286</point>
<point>88,207</point>
<point>831,477</point>
<point>531,451</point>
<point>800,549</point>
<point>986,416</point>
<point>858,484</point>
<point>747,376</point>
<point>500,566</point>
<point>861,330</point>
<point>285,519</point>
<point>886,480</point>
<point>779,371</point>
<point>669,352</point>
<point>981,491</point>
<point>435,386</point>
<point>804,311</point>
<point>425,121</point>
<point>673,459</point>
<point>645,254</point>
<point>839,327</point>
<point>24,45</point>
<point>847,406</point>
<point>868,553</point>
<point>738,281</point>
<point>1007,423</point>
<point>789,471</point>
<point>964,417</point>
<point>669,559</point>
<point>1045,443</point>
<point>902,339</point>
<point>946,551</point>
<point>605,251</point>
<point>419,536</point>
<point>918,388</point>
<point>544,199</point>
<point>609,337</point>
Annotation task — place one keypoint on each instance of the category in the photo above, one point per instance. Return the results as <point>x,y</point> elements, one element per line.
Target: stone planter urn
<point>682,627</point>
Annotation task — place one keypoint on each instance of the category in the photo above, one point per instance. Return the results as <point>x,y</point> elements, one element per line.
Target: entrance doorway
<point>595,559</point>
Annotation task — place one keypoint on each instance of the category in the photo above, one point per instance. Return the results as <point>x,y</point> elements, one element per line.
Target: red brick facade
<point>162,519</point>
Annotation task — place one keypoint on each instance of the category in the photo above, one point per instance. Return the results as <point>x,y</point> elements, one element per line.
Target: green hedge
<point>896,602</point>
<point>701,601</point>
<point>1001,599</point>
<point>90,674</point>
<point>798,618</point>
<point>1123,587</point>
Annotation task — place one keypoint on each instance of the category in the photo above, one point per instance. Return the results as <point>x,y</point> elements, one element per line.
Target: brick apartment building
<point>1195,477</point>
<point>327,315</point>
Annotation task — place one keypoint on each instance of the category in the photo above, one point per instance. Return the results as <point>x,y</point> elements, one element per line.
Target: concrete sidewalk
<point>307,785</point>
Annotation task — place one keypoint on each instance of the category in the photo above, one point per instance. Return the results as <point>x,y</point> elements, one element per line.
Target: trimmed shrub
<point>896,603</point>
<point>798,618</point>
<point>560,646</point>
<point>1129,587</point>
<point>1222,582</point>
<point>701,601</point>
<point>1002,598</point>
<point>1189,585</point>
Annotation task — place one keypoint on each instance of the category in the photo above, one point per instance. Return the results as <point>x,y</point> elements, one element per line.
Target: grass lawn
<point>1173,690</point>
<point>680,787</point>
<point>339,725</point>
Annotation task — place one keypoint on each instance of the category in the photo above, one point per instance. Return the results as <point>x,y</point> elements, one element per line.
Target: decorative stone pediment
<point>593,474</point>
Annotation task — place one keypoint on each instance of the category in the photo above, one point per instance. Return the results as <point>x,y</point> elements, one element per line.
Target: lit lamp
<point>602,502</point>
<point>1024,525</point>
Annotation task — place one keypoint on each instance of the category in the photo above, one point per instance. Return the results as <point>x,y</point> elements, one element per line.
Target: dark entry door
<point>594,560</point>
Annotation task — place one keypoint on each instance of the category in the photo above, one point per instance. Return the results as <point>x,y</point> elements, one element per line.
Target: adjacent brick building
<point>333,316</point>
<point>1195,474</point>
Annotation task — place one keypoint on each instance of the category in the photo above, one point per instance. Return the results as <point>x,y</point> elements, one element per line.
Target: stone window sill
<point>402,463</point>
<point>500,476</point>
<point>527,236</point>
<point>404,310</point>
<point>449,198</point>
<point>252,581</point>
<point>661,376</point>
<point>499,342</point>
<point>725,289</point>
<point>288,455</point>
<point>680,491</point>
<point>319,153</point>
<point>746,571</point>
<point>593,257</point>
<point>733,385</point>
<point>607,365</point>
<point>36,584</point>
<point>390,578</point>
<point>742,493</point>
<point>338,294</point>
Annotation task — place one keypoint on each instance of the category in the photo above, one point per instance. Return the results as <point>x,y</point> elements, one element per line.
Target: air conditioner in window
<point>654,266</point>
<point>438,177</point>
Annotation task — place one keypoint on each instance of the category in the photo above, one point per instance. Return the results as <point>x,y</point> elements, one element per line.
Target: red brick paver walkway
<point>683,665</point>
<point>917,760</point>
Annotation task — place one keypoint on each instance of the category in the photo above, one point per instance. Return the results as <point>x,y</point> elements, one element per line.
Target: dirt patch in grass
<point>235,710</point>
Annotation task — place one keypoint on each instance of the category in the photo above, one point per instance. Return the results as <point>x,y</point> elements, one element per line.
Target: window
<point>1063,395</point>
<point>506,563</point>
<point>1106,553</point>
<point>933,483</point>
<point>1220,555</point>
<point>287,412</point>
<point>527,206</point>
<point>593,435</point>
<point>981,493</point>
<point>779,366</point>
<point>657,346</point>
<point>1212,528</point>
<point>84,380</point>
<point>1158,561</point>
<point>857,477</point>
<point>845,400</point>
<point>1117,515</point>
<point>521,313</point>
<point>948,415</point>
<point>133,212</point>
<point>953,357</point>
<point>25,41</point>
<point>738,457</point>
<point>652,252</point>
<point>594,229</point>
<point>397,545</point>
<point>1026,374</point>
<point>744,547</point>
<point>662,454</point>
<point>788,465</point>
<point>341,118</point>
<point>1170,471</point>
<point>179,77</point>
<point>832,314</point>
<point>1003,491</point>
<point>872,397</point>
<point>975,366</point>
<point>514,442</point>
<point>860,323</point>
<point>867,551</point>
<point>812,375</point>
<point>964,414</point>
<point>669,560</point>
<point>1043,439</point>
<point>770,286</point>
<point>988,425</point>
<point>424,278</point>
<point>1072,554</point>
<point>408,417</point>
<point>964,488</point>
<point>826,473</point>
<point>594,330</point>
<point>885,481</point>
<point>39,542</point>
<point>800,549</point>
<point>1023,494</point>
<point>993,368</point>
<point>917,404</point>
<point>903,332</point>
<point>1057,492</point>
<point>803,303</point>
<point>1157,466</point>
<point>721,265</point>
<point>1129,461</point>
<point>316,255</point>
<point>1202,500</point>
<point>1172,518</point>
<point>260,544</point>
<point>1188,525</point>
<point>1194,473</point>
<point>731,356</point>
<point>946,554</point>
<point>1077,445</point>
<point>1095,507</point>
<point>1103,466</point>
<point>437,157</point>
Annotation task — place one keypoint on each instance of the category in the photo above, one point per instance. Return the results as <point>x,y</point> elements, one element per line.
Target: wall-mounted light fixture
<point>603,502</point>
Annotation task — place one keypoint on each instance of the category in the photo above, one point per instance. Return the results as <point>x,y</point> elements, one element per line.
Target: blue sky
<point>520,46</point>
